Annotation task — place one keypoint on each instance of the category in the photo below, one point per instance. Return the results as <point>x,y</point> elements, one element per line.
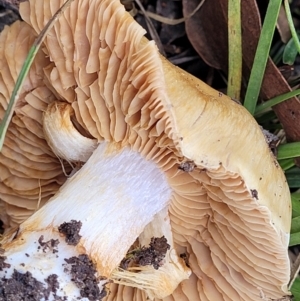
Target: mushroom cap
<point>230,212</point>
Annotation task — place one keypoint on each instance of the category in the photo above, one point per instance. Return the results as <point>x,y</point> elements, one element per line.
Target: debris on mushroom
<point>48,245</point>
<point>187,166</point>
<point>231,219</point>
<point>157,269</point>
<point>152,255</point>
<point>83,274</point>
<point>71,231</point>
<point>52,276</point>
<point>272,140</point>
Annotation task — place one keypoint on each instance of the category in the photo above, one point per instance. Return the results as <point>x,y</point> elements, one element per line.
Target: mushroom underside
<point>117,95</point>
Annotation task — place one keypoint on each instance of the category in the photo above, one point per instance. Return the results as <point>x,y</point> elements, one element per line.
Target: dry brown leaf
<point>283,26</point>
<point>207,31</point>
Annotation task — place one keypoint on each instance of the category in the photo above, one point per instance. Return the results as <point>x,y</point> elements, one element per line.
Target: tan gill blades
<point>229,207</point>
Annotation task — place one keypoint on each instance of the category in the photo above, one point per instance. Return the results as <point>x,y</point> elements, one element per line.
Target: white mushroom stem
<point>115,195</point>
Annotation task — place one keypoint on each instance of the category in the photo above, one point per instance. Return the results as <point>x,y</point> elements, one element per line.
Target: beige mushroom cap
<point>230,214</point>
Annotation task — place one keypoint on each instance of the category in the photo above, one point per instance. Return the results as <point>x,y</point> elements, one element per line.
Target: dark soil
<point>48,245</point>
<point>83,274</point>
<point>8,13</point>
<point>24,287</point>
<point>152,255</point>
<point>3,264</point>
<point>187,166</point>
<point>71,231</point>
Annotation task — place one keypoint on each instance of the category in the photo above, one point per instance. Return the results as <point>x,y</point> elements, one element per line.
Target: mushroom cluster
<point>163,155</point>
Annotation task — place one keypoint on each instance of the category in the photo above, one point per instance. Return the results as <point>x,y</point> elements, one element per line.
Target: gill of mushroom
<point>226,229</point>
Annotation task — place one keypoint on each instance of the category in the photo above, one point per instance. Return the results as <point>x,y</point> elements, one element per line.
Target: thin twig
<point>174,21</point>
<point>151,28</point>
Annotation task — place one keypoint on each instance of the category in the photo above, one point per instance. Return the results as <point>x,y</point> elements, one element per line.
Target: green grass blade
<point>265,118</point>
<point>288,150</point>
<point>286,164</point>
<point>234,49</point>
<point>261,55</point>
<point>295,227</point>
<point>293,180</point>
<point>295,204</point>
<point>261,108</point>
<point>295,289</point>
<point>15,94</point>
<point>294,239</point>
<point>290,53</point>
<point>24,71</point>
<point>293,177</point>
<point>291,24</point>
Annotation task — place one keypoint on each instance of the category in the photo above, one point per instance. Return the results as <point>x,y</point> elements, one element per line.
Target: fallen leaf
<point>207,31</point>
<point>283,26</point>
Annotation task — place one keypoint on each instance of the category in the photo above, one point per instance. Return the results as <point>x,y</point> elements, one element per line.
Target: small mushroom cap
<point>230,212</point>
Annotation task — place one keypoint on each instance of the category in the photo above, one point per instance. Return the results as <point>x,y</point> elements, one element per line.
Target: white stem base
<point>42,261</point>
<point>115,195</point>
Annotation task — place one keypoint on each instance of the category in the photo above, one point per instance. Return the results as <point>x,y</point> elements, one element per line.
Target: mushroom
<point>166,156</point>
